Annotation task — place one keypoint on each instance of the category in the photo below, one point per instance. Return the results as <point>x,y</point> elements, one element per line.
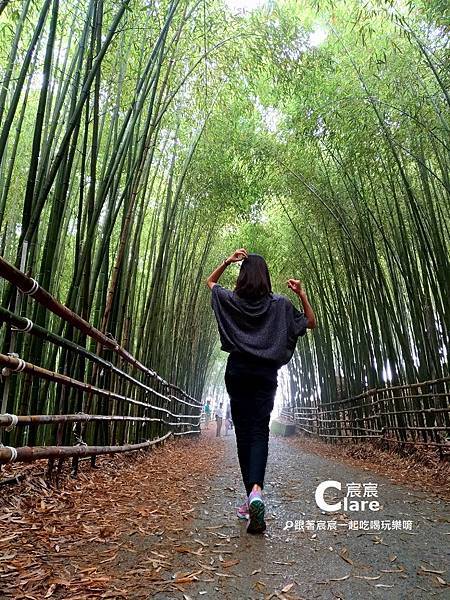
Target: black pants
<point>251,384</point>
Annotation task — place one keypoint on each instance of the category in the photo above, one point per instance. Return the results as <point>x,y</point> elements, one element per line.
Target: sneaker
<point>256,523</point>
<point>242,511</point>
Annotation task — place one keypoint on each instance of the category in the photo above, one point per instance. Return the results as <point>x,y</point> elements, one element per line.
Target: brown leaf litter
<point>420,469</point>
<point>114,532</point>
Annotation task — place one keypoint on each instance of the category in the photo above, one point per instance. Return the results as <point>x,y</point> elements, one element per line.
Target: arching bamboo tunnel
<point>141,142</point>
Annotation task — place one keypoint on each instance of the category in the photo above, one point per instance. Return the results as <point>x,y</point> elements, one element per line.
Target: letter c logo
<point>320,501</point>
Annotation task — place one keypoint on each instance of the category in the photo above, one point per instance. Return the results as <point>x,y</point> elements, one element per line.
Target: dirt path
<point>326,564</point>
<point>163,525</point>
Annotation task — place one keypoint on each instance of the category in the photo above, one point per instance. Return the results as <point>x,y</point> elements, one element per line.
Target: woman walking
<point>259,329</point>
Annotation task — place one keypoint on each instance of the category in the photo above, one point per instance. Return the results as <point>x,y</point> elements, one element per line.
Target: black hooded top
<point>267,328</point>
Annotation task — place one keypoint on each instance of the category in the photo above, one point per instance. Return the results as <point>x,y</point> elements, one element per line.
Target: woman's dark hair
<point>253,281</point>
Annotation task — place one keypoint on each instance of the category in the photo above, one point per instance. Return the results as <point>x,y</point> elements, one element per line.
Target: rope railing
<point>16,365</point>
<point>9,454</point>
<point>22,324</point>
<point>416,414</point>
<point>124,414</point>
<point>29,286</point>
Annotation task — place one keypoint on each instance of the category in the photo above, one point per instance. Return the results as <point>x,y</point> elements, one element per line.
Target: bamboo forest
<point>142,141</point>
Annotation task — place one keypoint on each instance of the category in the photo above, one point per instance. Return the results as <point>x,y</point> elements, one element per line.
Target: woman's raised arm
<point>296,286</point>
<point>235,257</point>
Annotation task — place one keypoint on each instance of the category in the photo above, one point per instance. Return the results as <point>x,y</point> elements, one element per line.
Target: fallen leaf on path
<point>340,578</point>
<point>392,570</point>
<point>8,538</point>
<point>425,570</point>
<point>187,578</point>
<point>186,550</point>
<point>115,593</point>
<point>230,563</point>
<point>50,590</point>
<point>377,540</point>
<point>7,557</point>
<point>207,567</point>
<point>108,559</point>
<point>200,542</point>
<point>343,554</point>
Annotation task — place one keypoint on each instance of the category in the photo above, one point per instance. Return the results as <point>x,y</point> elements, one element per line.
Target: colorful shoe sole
<point>256,523</point>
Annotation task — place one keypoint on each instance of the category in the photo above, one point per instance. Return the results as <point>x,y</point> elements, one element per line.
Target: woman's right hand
<point>238,255</point>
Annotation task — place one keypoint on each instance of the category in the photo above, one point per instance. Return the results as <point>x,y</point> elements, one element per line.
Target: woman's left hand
<point>238,255</point>
<point>296,286</point>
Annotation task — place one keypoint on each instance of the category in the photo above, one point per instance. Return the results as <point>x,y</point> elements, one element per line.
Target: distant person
<point>228,420</point>
<point>219,419</point>
<point>259,329</point>
<point>207,414</point>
